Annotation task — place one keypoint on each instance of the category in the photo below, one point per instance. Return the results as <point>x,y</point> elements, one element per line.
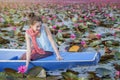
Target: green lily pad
<point>32,78</point>
<point>37,72</point>
<point>92,75</point>
<point>52,78</point>
<point>89,23</point>
<point>0,45</point>
<point>95,43</point>
<point>117,66</point>
<point>103,71</point>
<point>12,73</point>
<point>2,75</point>
<point>105,58</point>
<point>83,26</point>
<point>10,78</point>
<point>117,55</point>
<point>109,42</point>
<point>10,70</point>
<point>69,76</point>
<point>82,78</point>
<point>106,79</point>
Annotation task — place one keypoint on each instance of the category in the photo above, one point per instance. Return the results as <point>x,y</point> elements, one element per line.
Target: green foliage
<point>103,71</point>
<point>37,72</point>
<point>69,76</point>
<point>117,55</point>
<point>2,75</point>
<point>95,43</point>
<point>82,78</point>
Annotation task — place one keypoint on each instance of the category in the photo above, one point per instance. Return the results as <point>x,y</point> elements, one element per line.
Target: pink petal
<point>83,42</point>
<point>72,36</point>
<point>14,28</point>
<point>98,36</point>
<point>59,30</point>
<point>113,18</point>
<point>22,69</point>
<point>118,73</point>
<point>76,25</point>
<point>54,27</point>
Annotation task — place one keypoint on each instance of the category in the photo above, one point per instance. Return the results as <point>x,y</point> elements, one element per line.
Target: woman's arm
<point>53,43</point>
<point>28,52</point>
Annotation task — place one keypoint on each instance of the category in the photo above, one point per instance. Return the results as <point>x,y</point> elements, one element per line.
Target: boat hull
<point>10,59</point>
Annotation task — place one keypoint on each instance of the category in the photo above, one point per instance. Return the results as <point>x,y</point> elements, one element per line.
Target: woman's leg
<point>23,57</point>
<point>37,56</point>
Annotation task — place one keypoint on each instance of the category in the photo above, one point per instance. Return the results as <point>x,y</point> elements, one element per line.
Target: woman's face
<point>37,26</point>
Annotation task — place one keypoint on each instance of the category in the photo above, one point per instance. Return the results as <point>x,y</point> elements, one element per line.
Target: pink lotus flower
<point>22,69</point>
<point>59,30</point>
<point>85,17</point>
<point>43,17</point>
<point>106,15</point>
<point>72,36</point>
<point>50,18</point>
<point>84,24</point>
<point>113,18</point>
<point>83,42</point>
<point>54,16</point>
<point>96,21</point>
<point>92,14</point>
<point>15,6</point>
<point>118,73</point>
<point>76,25</point>
<point>98,36</point>
<point>81,20</point>
<point>62,23</point>
<point>54,27</point>
<point>14,28</point>
<point>0,19</point>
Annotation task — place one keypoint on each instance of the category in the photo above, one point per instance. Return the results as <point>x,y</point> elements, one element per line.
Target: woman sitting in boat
<point>39,41</point>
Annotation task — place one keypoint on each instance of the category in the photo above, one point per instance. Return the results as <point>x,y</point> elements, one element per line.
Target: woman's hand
<point>26,67</point>
<point>59,58</point>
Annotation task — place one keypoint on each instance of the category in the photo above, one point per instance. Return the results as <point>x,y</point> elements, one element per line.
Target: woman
<point>39,41</point>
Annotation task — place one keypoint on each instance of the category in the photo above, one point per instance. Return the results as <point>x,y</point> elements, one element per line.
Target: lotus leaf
<point>12,73</point>
<point>103,71</point>
<point>83,78</point>
<point>69,76</point>
<point>2,75</point>
<point>95,43</point>
<point>89,23</point>
<point>37,72</point>
<point>52,78</point>
<point>117,55</point>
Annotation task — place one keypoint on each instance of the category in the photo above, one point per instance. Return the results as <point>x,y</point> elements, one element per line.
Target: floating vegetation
<point>75,28</point>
